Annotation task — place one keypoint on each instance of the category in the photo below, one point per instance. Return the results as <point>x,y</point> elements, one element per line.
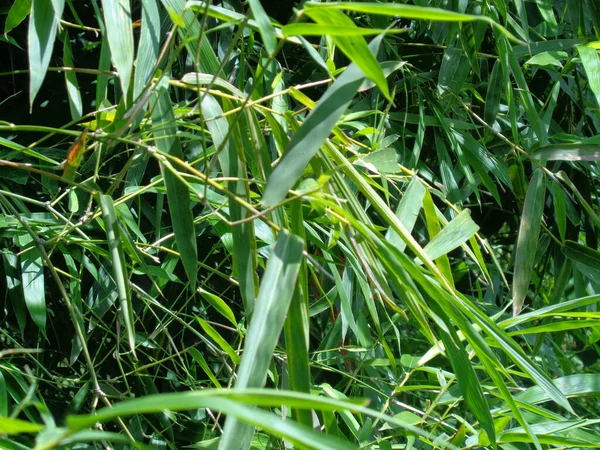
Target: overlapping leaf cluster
<point>372,227</point>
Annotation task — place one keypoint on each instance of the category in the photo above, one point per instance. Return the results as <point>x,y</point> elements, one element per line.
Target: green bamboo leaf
<point>149,46</point>
<point>221,342</point>
<point>558,326</point>
<point>591,64</point>
<point>407,211</point>
<point>120,275</point>
<point>410,12</point>
<point>532,113</point>
<point>494,93</point>
<point>432,221</point>
<point>266,30</point>
<point>244,241</point>
<point>32,280</point>
<point>297,326</point>
<point>18,426</point>
<point>203,364</point>
<point>314,131</point>
<point>200,79</point>
<point>217,303</point>
<point>559,200</point>
<point>593,12</point>
<point>527,241</point>
<point>535,48</point>
<point>547,59</point>
<point>192,30</point>
<point>458,231</point>
<point>274,297</point>
<point>312,29</point>
<point>41,36</point>
<point>17,14</point>
<point>579,385</point>
<point>353,46</point>
<point>75,291</point>
<point>568,152</point>
<point>177,193</point>
<point>583,255</point>
<point>468,382</point>
<point>74,94</point>
<point>229,16</point>
<point>547,12</point>
<point>454,70</point>
<point>118,23</point>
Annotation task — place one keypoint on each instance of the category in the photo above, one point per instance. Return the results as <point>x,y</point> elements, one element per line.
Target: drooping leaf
<point>177,192</point>
<point>353,46</point>
<point>117,20</point>
<point>41,36</point>
<point>529,231</point>
<point>32,280</point>
<point>18,12</point>
<point>274,298</point>
<point>313,132</point>
<point>458,231</point>
<point>568,152</point>
<point>149,46</point>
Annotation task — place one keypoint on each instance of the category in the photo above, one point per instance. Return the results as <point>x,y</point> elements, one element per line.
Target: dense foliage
<point>326,225</point>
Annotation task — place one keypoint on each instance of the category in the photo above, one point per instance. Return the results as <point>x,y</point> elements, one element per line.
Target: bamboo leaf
<point>591,64</point>
<point>527,241</point>
<point>458,231</point>
<point>117,20</point>
<point>32,280</point>
<point>41,36</point>
<point>407,211</point>
<point>314,131</point>
<point>410,12</point>
<point>177,193</point>
<point>75,102</point>
<point>568,152</point>
<point>17,14</point>
<point>18,426</point>
<point>149,46</point>
<point>494,93</point>
<point>221,342</point>
<point>274,298</point>
<point>313,29</point>
<point>244,241</point>
<point>353,46</point>
<point>267,31</point>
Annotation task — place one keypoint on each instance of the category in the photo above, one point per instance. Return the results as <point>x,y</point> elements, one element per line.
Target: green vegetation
<point>340,225</point>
